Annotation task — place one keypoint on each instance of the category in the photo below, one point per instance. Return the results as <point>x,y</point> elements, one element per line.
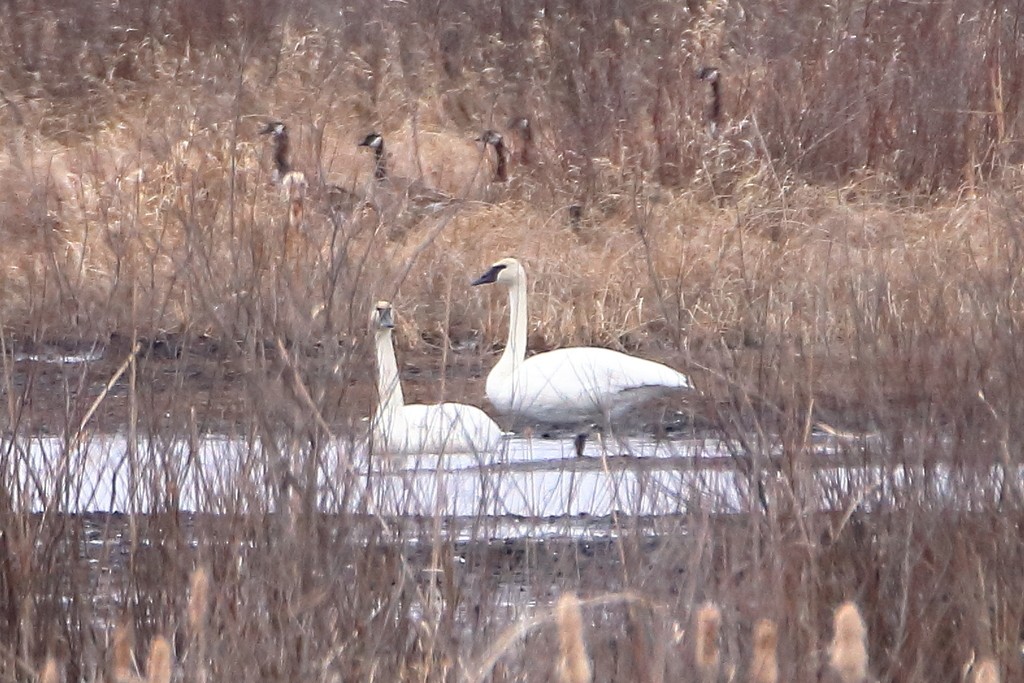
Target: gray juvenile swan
<point>400,429</point>
<point>577,386</point>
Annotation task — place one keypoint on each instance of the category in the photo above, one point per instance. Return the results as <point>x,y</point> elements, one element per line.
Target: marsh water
<point>532,486</point>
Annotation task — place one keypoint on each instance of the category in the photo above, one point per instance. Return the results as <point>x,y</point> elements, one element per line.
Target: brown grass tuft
<point>158,666</point>
<point>848,654</point>
<point>574,664</point>
<point>708,656</point>
<point>986,671</point>
<point>764,666</point>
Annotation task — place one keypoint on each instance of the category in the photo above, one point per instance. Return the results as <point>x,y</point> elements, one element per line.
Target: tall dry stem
<point>573,664</point>
<point>764,665</point>
<point>848,654</point>
<point>708,657</point>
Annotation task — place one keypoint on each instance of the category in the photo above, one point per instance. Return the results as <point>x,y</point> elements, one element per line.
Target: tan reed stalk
<point>848,654</point>
<point>764,666</point>
<point>122,663</point>
<point>986,671</point>
<point>198,602</point>
<point>708,657</point>
<point>158,666</point>
<point>574,664</point>
<point>50,673</point>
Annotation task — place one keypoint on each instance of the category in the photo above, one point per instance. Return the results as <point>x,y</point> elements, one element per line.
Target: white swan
<point>575,386</point>
<point>399,429</point>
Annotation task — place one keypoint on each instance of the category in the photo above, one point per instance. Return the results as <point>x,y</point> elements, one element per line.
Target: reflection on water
<point>533,487</point>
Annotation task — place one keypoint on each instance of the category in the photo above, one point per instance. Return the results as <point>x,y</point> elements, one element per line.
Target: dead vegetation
<point>844,253</point>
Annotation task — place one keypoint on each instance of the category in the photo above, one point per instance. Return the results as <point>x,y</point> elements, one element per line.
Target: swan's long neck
<point>389,388</point>
<point>515,350</point>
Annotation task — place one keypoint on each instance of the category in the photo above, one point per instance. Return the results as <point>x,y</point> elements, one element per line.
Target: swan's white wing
<point>577,384</point>
<point>439,428</point>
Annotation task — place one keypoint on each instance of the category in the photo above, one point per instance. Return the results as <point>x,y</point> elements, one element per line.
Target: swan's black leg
<point>579,442</point>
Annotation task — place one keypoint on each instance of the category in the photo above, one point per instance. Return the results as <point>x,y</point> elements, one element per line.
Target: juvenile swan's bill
<point>442,428</point>
<point>577,386</point>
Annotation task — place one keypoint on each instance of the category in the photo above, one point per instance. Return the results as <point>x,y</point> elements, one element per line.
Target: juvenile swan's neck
<point>389,388</point>
<point>515,350</point>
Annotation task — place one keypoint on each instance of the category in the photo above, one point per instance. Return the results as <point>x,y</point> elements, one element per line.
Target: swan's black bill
<point>490,276</point>
<point>387,319</point>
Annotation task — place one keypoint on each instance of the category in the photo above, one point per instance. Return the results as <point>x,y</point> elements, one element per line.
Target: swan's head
<point>373,141</point>
<point>276,129</point>
<point>506,272</point>
<point>382,318</point>
<point>490,137</point>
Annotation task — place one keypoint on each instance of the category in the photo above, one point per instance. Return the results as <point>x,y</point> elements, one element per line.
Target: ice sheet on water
<point>530,481</point>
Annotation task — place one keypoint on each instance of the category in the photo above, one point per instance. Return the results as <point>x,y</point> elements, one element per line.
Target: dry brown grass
<point>847,253</point>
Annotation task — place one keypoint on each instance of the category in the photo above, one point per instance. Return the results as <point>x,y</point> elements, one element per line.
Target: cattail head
<point>848,654</point>
<point>50,673</point>
<point>198,602</point>
<point>986,671</point>
<point>574,665</point>
<point>122,664</point>
<point>158,666</point>
<point>764,666</point>
<point>708,657</point>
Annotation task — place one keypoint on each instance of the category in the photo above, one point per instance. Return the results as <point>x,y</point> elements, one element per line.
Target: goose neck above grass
<point>375,141</point>
<point>495,140</point>
<point>279,133</point>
